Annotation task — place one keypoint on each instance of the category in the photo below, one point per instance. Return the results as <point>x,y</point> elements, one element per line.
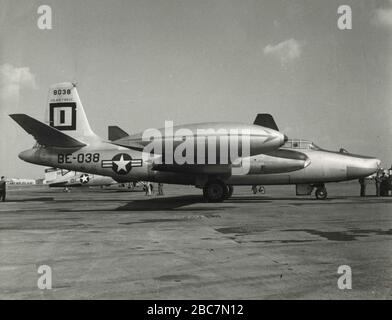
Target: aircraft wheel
<point>321,193</point>
<point>215,191</point>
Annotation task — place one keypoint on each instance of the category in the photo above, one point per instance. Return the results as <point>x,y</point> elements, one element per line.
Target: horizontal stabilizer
<point>115,133</point>
<point>266,120</point>
<point>44,134</point>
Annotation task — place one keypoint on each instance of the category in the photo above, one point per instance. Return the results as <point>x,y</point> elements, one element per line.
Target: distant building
<point>13,181</point>
<point>40,181</point>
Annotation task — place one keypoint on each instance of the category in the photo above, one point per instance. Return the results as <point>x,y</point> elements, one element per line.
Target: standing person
<point>389,191</point>
<point>383,185</point>
<point>160,189</point>
<point>254,189</point>
<point>363,187</point>
<point>3,186</point>
<point>148,188</point>
<point>377,180</point>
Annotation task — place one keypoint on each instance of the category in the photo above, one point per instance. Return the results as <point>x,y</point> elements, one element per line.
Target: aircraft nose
<point>374,164</point>
<point>25,155</point>
<point>365,168</point>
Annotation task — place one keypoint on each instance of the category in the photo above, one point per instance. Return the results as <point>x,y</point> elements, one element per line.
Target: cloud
<point>285,51</point>
<point>13,80</point>
<point>383,16</point>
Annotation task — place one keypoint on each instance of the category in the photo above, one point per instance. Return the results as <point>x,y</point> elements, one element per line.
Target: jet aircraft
<point>66,141</point>
<point>56,178</point>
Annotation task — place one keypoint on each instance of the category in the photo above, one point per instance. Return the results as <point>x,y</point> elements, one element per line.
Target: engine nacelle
<point>278,161</point>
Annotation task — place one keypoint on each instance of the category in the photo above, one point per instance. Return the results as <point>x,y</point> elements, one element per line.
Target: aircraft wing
<point>44,134</point>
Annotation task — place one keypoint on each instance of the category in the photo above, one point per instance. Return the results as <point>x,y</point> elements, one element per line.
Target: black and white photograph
<point>196,150</point>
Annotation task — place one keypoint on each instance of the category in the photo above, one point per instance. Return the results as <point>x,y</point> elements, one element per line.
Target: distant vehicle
<point>66,178</point>
<point>324,166</point>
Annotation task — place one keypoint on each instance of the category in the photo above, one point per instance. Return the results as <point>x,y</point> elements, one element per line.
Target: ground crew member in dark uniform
<point>384,185</point>
<point>377,180</point>
<point>2,188</point>
<point>363,187</point>
<point>389,180</point>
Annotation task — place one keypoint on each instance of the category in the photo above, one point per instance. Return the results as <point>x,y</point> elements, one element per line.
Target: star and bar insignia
<point>121,163</point>
<point>84,178</point>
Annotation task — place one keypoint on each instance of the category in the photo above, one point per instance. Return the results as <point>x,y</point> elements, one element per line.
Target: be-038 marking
<point>80,158</point>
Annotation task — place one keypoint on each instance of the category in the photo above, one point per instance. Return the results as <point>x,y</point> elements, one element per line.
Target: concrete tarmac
<point>115,244</point>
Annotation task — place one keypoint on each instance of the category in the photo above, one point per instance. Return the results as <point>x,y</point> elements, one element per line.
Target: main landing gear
<point>217,191</point>
<point>321,192</point>
<point>230,193</point>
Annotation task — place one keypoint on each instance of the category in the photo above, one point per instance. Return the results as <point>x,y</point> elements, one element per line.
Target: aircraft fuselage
<point>325,166</point>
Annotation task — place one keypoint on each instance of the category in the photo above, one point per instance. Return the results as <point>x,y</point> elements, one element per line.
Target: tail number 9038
<point>80,158</point>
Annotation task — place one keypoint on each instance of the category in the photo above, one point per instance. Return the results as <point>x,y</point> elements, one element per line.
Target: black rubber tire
<point>321,193</point>
<point>215,191</point>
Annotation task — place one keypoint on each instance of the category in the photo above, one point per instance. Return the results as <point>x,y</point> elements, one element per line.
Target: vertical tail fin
<point>266,120</point>
<point>65,112</point>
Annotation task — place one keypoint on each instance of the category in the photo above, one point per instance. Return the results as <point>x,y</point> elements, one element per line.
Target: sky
<point>139,63</point>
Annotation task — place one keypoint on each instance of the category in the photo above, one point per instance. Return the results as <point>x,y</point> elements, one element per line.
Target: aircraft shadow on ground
<point>42,199</point>
<point>169,203</point>
<point>181,203</point>
<point>312,200</point>
<point>263,199</point>
<point>269,199</point>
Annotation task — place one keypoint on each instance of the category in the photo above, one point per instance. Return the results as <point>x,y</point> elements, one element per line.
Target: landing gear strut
<point>321,192</point>
<point>230,190</point>
<point>216,191</point>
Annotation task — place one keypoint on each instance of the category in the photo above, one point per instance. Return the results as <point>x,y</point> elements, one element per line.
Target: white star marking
<point>84,178</point>
<point>122,164</point>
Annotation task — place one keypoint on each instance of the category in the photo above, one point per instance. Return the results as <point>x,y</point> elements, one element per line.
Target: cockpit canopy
<point>300,144</point>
